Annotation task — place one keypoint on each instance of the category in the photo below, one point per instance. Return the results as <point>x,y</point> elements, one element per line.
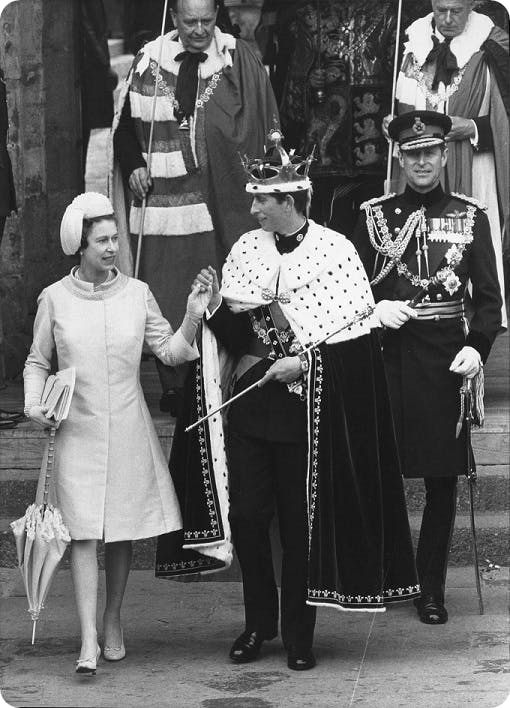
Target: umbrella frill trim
<point>46,521</point>
<point>27,522</point>
<point>20,524</point>
<point>53,526</point>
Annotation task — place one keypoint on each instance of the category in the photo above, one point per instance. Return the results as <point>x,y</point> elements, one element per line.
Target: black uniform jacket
<point>425,394</point>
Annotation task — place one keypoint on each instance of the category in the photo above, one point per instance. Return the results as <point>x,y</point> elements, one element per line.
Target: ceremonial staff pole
<point>387,183</point>
<point>149,146</point>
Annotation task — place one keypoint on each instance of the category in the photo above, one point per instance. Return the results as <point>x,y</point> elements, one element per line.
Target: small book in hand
<point>58,392</point>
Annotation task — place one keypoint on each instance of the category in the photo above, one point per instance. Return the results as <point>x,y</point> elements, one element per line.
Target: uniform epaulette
<point>376,200</point>
<point>470,200</point>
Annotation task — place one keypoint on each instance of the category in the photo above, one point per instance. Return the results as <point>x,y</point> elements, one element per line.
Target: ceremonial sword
<point>466,417</point>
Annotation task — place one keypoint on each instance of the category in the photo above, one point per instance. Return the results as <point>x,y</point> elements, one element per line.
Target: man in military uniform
<point>420,248</point>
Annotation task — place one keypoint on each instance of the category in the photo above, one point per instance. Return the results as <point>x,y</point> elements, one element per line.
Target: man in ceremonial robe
<point>456,62</point>
<point>425,241</point>
<point>314,439</point>
<point>214,102</point>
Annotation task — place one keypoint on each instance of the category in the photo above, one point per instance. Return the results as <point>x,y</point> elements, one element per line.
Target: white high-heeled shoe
<point>115,653</point>
<point>87,667</point>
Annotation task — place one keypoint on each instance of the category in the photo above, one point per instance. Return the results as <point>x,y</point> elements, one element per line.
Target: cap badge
<point>419,126</point>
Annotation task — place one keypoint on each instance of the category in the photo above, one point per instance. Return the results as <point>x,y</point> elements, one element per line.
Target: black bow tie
<point>195,57</point>
<point>187,83</point>
<point>446,63</point>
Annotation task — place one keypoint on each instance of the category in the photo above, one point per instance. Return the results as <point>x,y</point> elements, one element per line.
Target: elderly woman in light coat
<point>111,479</point>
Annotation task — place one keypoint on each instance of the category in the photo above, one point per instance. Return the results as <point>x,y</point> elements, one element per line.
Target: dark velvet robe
<point>360,553</point>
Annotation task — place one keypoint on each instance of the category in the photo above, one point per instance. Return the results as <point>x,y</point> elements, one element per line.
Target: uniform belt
<point>440,310</point>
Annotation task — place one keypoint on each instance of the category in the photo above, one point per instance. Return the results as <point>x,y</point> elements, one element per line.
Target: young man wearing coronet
<point>314,439</point>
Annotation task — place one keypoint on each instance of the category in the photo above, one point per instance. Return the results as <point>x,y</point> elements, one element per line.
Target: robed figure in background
<point>214,101</point>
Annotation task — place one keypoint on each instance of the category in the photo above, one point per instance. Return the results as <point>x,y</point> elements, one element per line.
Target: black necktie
<point>446,63</point>
<point>187,83</point>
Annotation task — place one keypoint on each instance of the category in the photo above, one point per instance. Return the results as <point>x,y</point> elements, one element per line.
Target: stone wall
<point>39,57</point>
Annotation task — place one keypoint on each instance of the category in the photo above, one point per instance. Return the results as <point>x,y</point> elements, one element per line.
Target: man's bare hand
<point>284,370</point>
<point>385,123</point>
<point>394,313</point>
<point>462,129</point>
<point>140,182</point>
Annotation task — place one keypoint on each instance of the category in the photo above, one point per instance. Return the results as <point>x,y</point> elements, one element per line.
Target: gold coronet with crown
<point>278,171</point>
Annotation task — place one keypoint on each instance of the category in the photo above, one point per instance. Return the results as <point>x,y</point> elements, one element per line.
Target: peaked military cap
<point>419,129</point>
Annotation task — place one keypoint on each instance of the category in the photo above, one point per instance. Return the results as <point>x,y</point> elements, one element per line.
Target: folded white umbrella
<point>41,535</point>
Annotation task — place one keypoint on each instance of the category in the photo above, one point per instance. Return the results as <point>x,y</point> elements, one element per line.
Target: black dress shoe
<point>300,661</point>
<point>247,647</point>
<point>431,609</point>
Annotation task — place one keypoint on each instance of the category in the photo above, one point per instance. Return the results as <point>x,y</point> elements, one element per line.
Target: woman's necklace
<point>79,276</point>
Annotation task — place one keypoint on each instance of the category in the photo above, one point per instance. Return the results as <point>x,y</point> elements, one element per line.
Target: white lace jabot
<point>478,28</point>
<point>218,54</point>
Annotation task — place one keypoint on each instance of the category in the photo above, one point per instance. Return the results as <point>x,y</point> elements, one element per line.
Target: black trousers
<point>436,534</point>
<point>263,474</point>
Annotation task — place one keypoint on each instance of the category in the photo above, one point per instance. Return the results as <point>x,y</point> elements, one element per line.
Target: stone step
<point>491,491</point>
<point>22,447</point>
<point>18,487</point>
<point>491,534</point>
<point>492,538</point>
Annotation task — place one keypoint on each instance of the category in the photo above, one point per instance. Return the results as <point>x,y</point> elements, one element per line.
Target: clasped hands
<point>395,313</point>
<point>204,291</point>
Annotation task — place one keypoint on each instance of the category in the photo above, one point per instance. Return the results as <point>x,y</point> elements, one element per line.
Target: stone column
<point>39,55</point>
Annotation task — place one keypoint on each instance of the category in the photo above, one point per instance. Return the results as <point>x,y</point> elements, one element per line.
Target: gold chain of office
<point>433,98</point>
<point>165,89</point>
